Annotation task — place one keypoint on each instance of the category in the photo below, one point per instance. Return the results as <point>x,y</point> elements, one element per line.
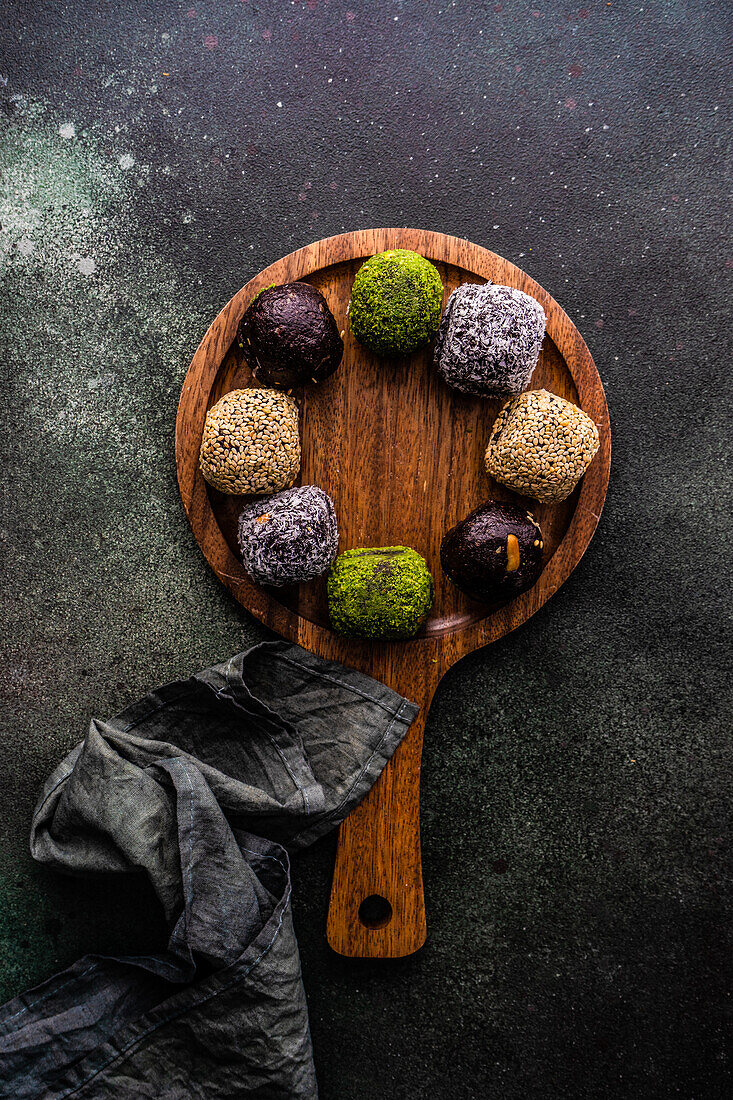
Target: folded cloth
<point>205,784</point>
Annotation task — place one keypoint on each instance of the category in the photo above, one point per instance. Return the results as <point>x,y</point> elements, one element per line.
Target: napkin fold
<point>204,785</point>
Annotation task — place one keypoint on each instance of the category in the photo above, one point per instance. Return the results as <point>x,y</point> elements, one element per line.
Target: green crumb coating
<point>262,291</point>
<point>379,592</point>
<point>395,302</point>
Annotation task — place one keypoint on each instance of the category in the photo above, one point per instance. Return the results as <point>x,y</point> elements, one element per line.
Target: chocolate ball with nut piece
<point>494,553</point>
<point>290,337</point>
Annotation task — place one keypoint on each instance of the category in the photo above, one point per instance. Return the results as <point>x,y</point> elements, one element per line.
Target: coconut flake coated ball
<point>489,340</point>
<point>289,538</point>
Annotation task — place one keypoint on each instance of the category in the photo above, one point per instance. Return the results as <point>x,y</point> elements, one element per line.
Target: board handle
<point>377,907</point>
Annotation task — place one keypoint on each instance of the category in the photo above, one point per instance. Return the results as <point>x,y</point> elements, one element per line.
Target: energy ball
<point>395,302</point>
<point>289,336</point>
<point>379,592</point>
<point>541,445</point>
<point>493,554</point>
<point>250,442</point>
<point>489,340</point>
<point>290,537</point>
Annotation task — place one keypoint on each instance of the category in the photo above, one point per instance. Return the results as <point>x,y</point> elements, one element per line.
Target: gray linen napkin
<point>203,784</point>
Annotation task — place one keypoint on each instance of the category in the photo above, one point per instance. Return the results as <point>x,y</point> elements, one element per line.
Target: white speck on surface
<point>67,130</point>
<point>278,104</point>
<point>71,202</point>
<point>126,161</point>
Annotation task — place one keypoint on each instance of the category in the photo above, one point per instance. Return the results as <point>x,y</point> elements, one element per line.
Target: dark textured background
<point>155,156</point>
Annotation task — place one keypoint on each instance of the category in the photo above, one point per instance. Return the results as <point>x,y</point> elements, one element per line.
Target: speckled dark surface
<point>576,775</point>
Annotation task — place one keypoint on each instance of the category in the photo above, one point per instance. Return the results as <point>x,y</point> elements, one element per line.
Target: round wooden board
<point>401,455</point>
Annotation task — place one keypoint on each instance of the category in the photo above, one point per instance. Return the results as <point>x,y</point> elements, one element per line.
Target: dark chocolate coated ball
<point>289,336</point>
<point>494,553</point>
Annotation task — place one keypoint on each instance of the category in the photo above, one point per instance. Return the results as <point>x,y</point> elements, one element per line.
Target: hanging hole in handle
<point>375,911</point>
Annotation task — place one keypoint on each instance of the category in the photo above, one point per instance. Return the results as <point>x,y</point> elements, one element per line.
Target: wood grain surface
<point>402,457</point>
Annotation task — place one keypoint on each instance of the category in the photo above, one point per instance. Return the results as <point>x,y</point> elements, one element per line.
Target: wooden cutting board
<point>401,455</point>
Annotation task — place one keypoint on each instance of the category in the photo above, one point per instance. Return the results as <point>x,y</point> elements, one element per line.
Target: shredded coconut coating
<point>489,340</point>
<point>289,538</point>
<point>541,445</point>
<point>250,442</point>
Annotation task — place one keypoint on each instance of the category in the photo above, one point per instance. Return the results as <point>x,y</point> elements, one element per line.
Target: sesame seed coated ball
<point>541,445</point>
<point>250,442</point>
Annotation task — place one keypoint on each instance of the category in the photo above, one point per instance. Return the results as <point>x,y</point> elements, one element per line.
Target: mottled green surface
<point>379,592</point>
<point>576,782</point>
<point>395,302</point>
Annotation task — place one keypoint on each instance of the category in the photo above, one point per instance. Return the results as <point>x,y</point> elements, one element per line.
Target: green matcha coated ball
<point>395,302</point>
<point>379,592</point>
